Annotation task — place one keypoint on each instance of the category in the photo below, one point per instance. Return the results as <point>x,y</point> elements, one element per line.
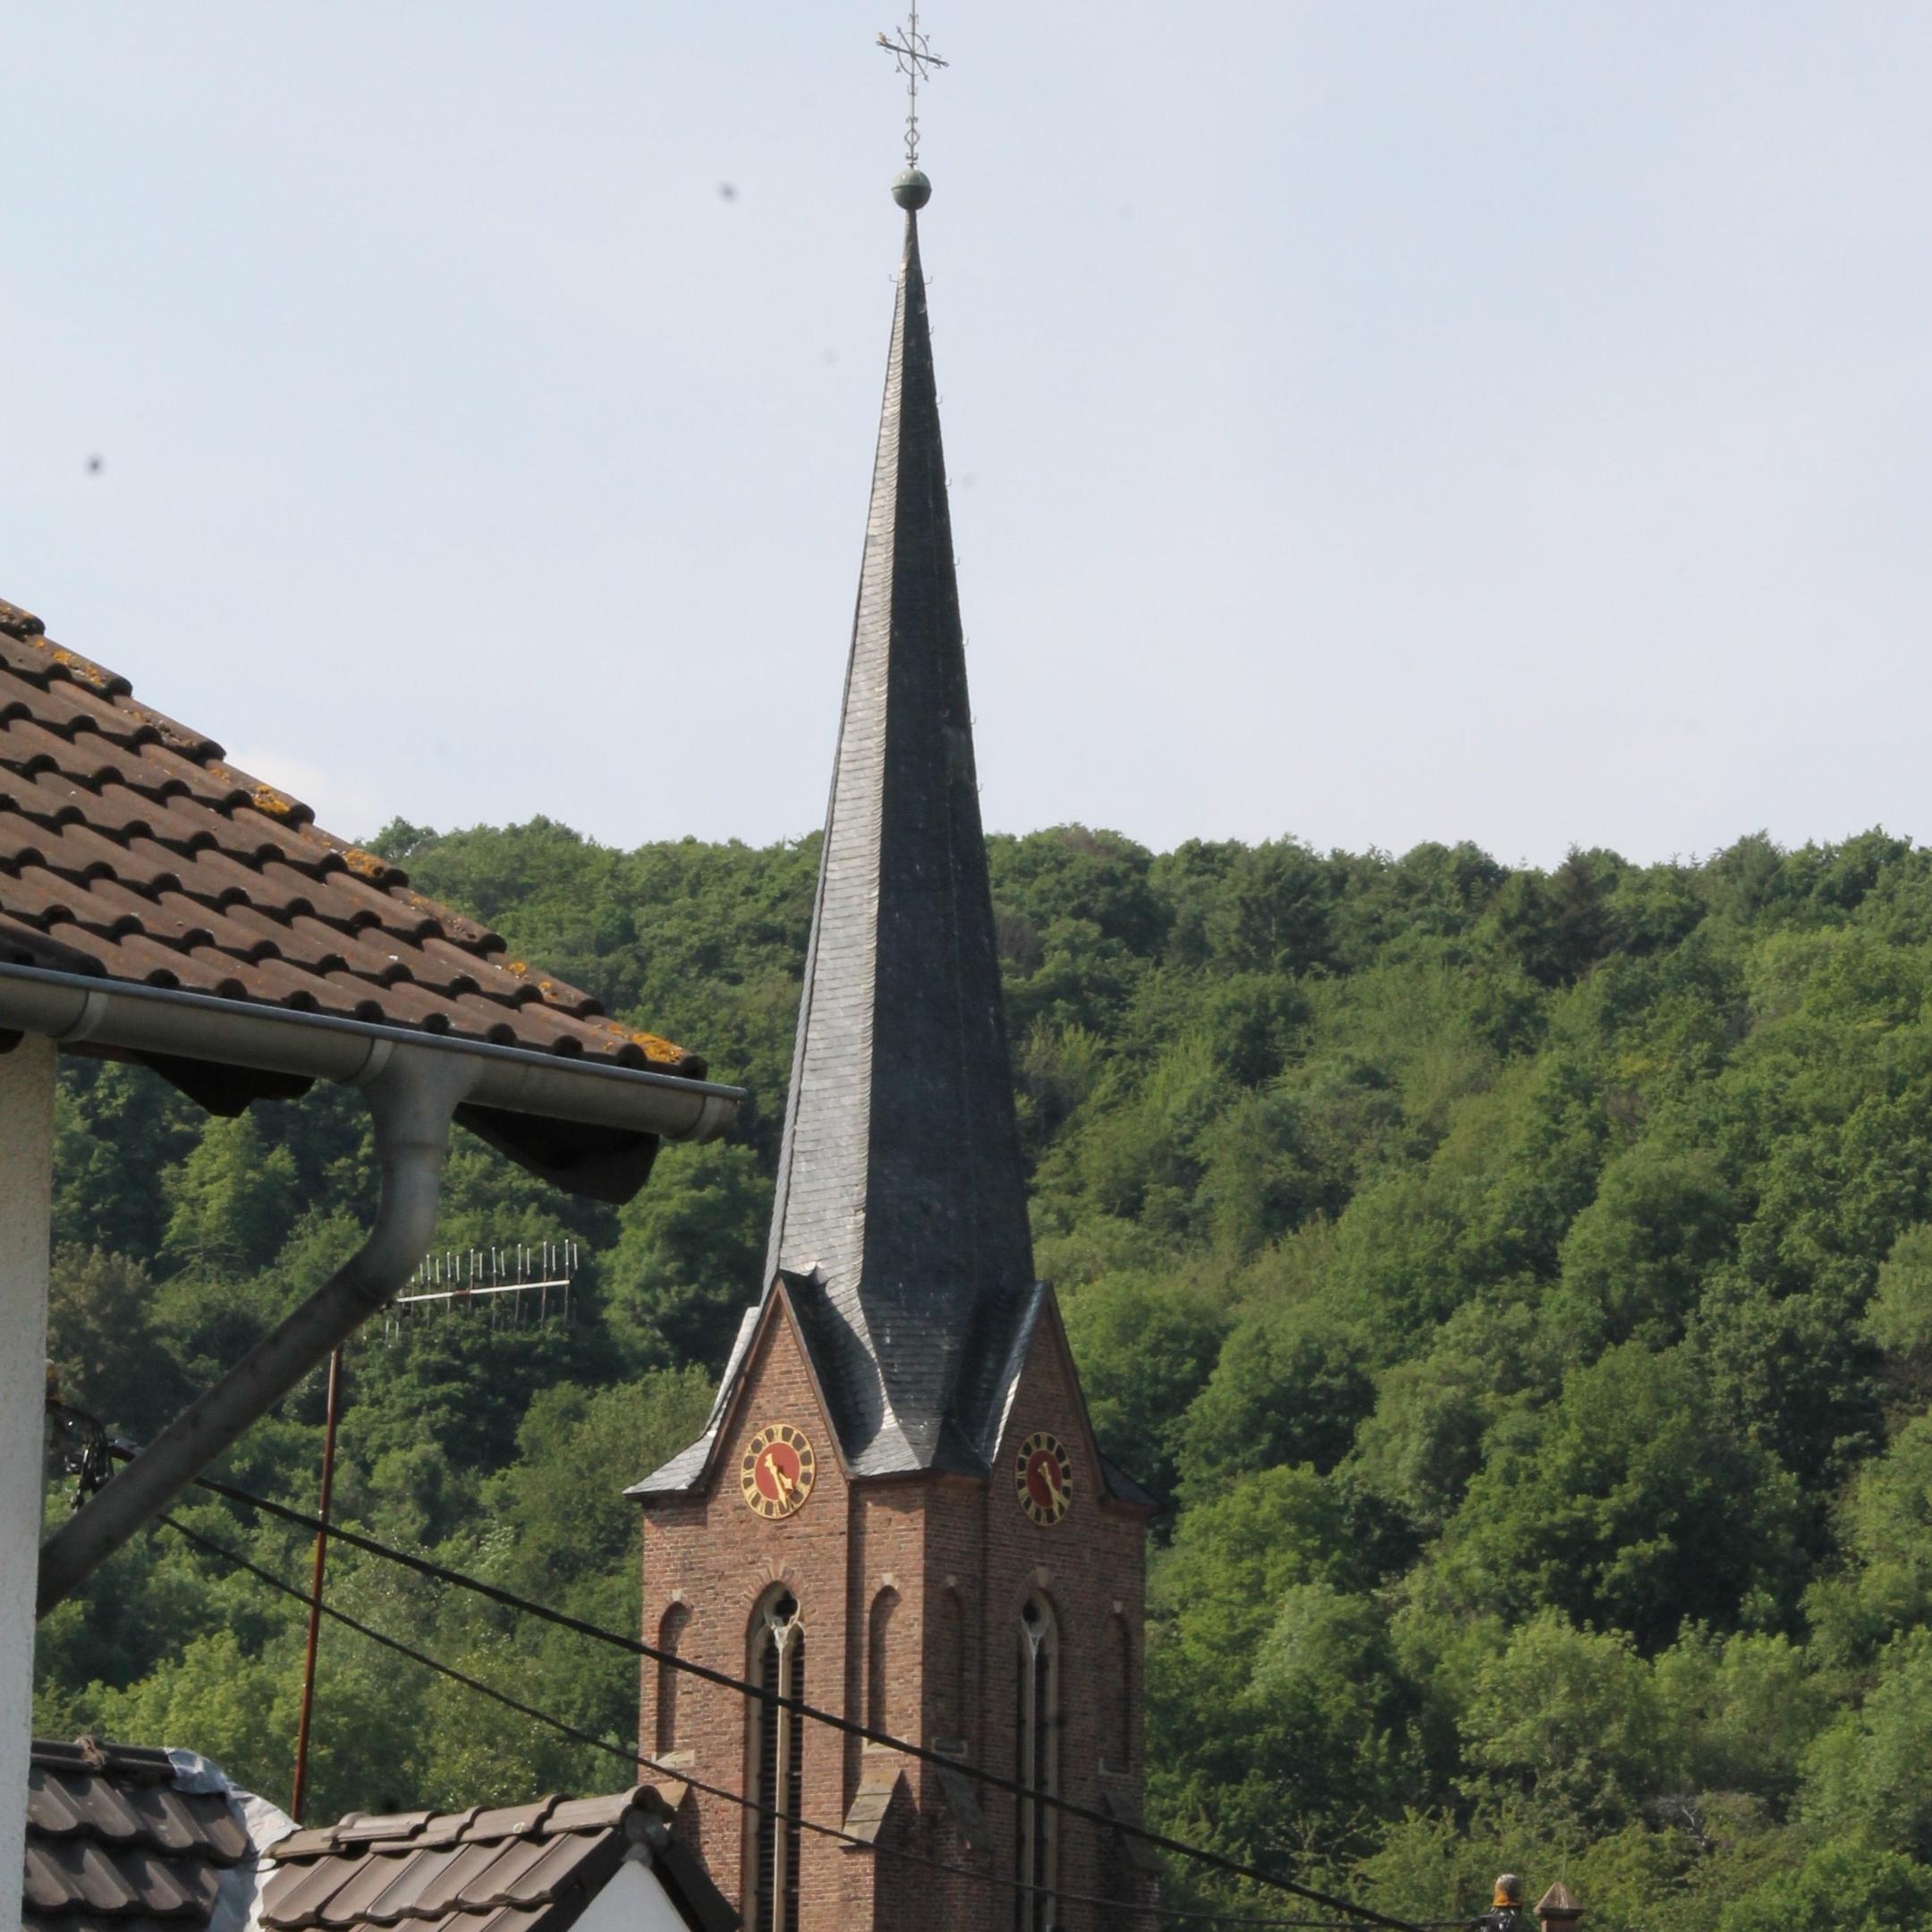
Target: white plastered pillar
<point>26,1189</point>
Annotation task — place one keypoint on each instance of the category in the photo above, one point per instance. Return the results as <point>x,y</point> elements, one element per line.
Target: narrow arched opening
<point>1121,1697</point>
<point>776,1664</point>
<point>671,1632</point>
<point>1035,1837</point>
<point>882,1699</point>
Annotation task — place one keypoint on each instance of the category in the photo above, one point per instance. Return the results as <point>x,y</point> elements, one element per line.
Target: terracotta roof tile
<point>513,1821</point>
<point>591,1814</point>
<point>529,1868</point>
<point>21,945</point>
<point>129,847</point>
<point>371,1826</point>
<point>376,1890</point>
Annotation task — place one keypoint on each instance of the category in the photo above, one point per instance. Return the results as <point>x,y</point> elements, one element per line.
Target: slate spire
<point>900,1213</point>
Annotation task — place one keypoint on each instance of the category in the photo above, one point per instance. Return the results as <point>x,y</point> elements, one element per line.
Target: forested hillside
<point>1519,1285</point>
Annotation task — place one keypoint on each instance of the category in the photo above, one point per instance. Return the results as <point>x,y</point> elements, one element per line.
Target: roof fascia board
<point>76,1010</point>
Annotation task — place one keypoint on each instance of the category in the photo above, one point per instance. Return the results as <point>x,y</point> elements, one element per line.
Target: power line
<point>637,1647</point>
<point>637,1760</point>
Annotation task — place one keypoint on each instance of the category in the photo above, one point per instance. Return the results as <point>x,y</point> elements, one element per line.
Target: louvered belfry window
<point>1036,1838</point>
<point>777,1766</point>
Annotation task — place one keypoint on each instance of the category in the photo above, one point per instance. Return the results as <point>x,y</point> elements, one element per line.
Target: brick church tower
<point>897,1509</point>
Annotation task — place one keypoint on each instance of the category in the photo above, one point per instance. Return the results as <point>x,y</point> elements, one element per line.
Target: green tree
<point>1839,1888</point>
<point>688,1260</point>
<point>1899,1320</point>
<point>101,1341</point>
<point>1289,1387</point>
<point>1144,1346</point>
<point>1634,1259</point>
<point>1628,1500</point>
<point>232,1202</point>
<point>1571,1718</point>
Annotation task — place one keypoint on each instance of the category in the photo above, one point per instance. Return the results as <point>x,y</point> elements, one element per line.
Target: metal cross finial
<point>912,57</point>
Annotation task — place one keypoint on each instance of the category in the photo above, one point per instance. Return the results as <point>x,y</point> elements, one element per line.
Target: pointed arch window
<point>949,1701</point>
<point>1121,1696</point>
<point>881,1697</point>
<point>778,1665</point>
<point>1035,1837</point>
<point>669,1641</point>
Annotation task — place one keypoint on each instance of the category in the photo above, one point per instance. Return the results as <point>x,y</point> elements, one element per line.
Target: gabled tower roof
<point>900,1223</point>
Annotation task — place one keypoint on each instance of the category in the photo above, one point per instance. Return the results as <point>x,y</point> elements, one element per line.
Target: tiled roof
<point>129,849</point>
<point>529,1867</point>
<point>112,1842</point>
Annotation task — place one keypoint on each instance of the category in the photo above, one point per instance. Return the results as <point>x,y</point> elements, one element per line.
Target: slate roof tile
<point>129,847</point>
<point>899,1209</point>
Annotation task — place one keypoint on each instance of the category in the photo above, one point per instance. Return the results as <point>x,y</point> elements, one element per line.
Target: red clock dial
<point>775,1471</point>
<point>1043,1479</point>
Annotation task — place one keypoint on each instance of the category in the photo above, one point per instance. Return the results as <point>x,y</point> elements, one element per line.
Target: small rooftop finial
<point>913,56</point>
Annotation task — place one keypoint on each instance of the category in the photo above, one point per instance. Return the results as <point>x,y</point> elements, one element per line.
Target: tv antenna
<point>482,1277</point>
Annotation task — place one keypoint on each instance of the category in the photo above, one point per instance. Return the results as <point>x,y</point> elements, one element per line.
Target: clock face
<point>1043,1478</point>
<point>775,1471</point>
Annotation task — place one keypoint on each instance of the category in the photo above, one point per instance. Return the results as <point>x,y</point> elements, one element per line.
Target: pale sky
<point>1374,423</point>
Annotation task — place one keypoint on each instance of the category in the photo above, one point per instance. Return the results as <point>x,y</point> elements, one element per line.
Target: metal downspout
<point>412,1094</point>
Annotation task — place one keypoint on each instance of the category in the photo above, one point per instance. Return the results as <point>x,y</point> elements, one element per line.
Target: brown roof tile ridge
<point>556,993</point>
<point>426,1829</point>
<point>513,1821</point>
<point>381,1829</point>
<point>44,660</point>
<point>35,658</point>
<point>600,1814</point>
<point>459,928</point>
<point>167,731</point>
<point>306,1842</point>
<point>657,1051</point>
<point>254,844</point>
<point>88,1753</point>
<point>71,708</point>
<point>18,621</point>
<point>447,1827</point>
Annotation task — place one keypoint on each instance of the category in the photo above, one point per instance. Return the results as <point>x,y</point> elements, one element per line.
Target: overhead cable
<point>676,1775</point>
<point>636,1646</point>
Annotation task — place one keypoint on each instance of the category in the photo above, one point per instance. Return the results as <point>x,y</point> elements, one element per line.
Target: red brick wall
<point>932,1541</point>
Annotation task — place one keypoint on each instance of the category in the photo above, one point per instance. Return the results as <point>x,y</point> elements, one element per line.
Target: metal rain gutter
<point>414,1082</point>
<point>74,1009</point>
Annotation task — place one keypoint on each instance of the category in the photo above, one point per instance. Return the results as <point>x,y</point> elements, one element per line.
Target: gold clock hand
<point>780,1480</point>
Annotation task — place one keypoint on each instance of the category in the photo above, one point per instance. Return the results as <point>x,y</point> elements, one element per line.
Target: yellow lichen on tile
<point>82,670</point>
<point>654,1047</point>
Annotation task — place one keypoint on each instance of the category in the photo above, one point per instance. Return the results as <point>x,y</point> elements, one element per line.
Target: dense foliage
<point>1519,1285</point>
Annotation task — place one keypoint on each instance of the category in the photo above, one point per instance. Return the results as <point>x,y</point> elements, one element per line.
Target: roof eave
<point>78,1010</point>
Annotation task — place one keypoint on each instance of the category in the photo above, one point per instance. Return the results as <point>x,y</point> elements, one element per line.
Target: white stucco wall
<point>26,1182</point>
<point>634,1900</point>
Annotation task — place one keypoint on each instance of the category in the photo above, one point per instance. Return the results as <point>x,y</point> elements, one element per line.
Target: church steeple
<point>898,1506</point>
<point>901,1210</point>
